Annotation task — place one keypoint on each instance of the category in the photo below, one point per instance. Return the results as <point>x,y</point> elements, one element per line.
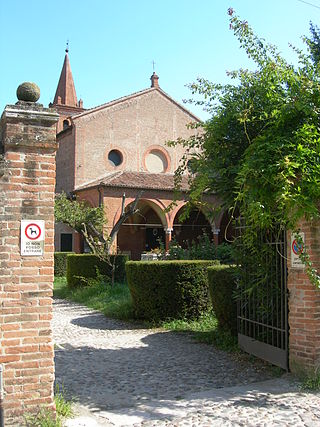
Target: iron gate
<point>263,300</point>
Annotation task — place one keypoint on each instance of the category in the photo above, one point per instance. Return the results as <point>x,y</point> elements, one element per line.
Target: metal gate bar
<point>263,307</point>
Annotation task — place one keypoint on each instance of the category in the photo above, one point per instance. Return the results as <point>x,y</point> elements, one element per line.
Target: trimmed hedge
<point>169,289</point>
<point>60,263</point>
<point>222,287</point>
<point>86,265</point>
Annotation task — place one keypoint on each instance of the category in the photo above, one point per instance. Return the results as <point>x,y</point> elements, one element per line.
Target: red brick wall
<point>131,126</point>
<point>304,306</point>
<point>65,159</point>
<point>27,192</point>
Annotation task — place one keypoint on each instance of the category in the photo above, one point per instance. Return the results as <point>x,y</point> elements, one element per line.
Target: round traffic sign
<point>33,231</point>
<point>297,247</point>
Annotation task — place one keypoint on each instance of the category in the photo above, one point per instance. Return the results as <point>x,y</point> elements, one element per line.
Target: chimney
<point>154,80</point>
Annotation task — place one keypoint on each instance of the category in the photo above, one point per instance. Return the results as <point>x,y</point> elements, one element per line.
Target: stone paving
<point>123,375</point>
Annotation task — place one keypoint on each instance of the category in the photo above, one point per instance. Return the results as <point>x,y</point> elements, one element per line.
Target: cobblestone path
<point>121,375</point>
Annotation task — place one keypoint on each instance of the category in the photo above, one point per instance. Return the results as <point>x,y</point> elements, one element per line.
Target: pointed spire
<point>66,92</point>
<point>154,80</point>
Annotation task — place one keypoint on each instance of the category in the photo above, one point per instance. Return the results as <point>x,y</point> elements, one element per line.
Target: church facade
<point>119,148</point>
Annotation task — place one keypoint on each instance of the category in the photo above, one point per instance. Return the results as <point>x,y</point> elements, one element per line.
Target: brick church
<point>120,148</point>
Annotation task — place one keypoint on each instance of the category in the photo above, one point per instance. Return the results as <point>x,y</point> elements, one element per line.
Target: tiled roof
<point>143,180</point>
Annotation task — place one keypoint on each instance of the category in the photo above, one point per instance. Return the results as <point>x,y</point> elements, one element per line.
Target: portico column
<point>168,231</point>
<point>215,232</point>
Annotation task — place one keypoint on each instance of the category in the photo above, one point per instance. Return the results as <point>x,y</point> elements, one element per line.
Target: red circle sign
<point>297,247</point>
<point>32,231</point>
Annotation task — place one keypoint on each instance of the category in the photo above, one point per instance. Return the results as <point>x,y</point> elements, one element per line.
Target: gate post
<point>304,305</point>
<point>27,185</point>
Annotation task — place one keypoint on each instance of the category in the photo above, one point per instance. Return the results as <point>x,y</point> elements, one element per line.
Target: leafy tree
<point>260,150</point>
<point>90,223</point>
<point>314,43</point>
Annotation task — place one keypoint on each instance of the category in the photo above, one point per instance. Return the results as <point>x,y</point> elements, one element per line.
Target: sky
<point>113,43</point>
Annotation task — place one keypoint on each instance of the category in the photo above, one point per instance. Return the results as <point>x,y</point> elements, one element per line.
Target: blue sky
<point>112,43</point>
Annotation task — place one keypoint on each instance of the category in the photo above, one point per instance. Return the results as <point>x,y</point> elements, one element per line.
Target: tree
<point>90,223</point>
<point>260,150</point>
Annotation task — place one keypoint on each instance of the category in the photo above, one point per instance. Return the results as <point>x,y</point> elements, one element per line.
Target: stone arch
<point>143,231</point>
<point>197,223</point>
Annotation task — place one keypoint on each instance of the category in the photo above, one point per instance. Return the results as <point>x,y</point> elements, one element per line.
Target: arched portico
<point>145,230</point>
<point>187,230</point>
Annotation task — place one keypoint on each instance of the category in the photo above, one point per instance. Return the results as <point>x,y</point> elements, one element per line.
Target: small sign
<point>296,249</point>
<point>32,237</point>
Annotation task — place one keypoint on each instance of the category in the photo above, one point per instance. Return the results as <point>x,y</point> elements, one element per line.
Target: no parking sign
<point>296,250</point>
<point>32,237</point>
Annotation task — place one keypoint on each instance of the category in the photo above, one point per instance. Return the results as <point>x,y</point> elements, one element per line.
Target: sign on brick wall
<point>296,249</point>
<point>32,237</point>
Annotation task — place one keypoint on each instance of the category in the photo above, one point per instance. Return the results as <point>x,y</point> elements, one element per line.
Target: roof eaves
<point>113,102</point>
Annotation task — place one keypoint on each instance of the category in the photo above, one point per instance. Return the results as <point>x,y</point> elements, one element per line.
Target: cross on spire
<point>67,46</point>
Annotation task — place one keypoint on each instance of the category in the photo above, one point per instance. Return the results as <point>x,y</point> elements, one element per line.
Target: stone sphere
<point>28,92</point>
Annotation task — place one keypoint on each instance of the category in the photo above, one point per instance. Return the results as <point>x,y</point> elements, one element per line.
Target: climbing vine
<point>260,150</point>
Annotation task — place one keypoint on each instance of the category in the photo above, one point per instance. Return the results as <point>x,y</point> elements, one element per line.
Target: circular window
<point>156,161</point>
<point>115,157</point>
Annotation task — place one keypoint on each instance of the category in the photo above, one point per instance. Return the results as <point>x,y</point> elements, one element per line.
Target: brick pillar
<point>27,185</point>
<point>304,306</point>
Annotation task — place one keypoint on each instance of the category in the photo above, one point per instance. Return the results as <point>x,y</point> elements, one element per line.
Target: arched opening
<point>66,124</point>
<point>190,229</point>
<point>143,231</point>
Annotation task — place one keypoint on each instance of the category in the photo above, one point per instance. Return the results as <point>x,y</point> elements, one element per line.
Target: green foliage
<point>225,253</point>
<point>60,263</point>
<point>222,287</point>
<point>168,289</point>
<point>260,149</point>
<point>205,329</point>
<point>311,382</point>
<point>202,249</point>
<point>45,417</point>
<point>113,301</point>
<point>81,267</point>
<point>63,406</point>
<point>76,213</point>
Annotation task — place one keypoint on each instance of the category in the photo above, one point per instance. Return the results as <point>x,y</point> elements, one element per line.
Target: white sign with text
<point>32,237</point>
<point>296,249</point>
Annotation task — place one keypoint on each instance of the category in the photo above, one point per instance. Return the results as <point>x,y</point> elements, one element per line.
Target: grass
<point>205,329</point>
<point>45,417</point>
<point>112,301</point>
<point>311,382</point>
<point>116,302</point>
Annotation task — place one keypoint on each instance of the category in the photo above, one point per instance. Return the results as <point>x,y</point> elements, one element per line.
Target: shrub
<point>60,263</point>
<point>169,289</point>
<point>225,253</point>
<point>222,287</point>
<point>86,266</point>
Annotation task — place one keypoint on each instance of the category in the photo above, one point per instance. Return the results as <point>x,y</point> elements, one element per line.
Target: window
<point>156,161</point>
<point>115,158</point>
<point>66,242</point>
<point>66,124</point>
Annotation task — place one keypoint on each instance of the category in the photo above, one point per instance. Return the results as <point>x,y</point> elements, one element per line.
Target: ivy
<point>260,149</point>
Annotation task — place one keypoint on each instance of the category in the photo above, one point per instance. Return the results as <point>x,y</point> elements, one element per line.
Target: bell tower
<point>65,100</point>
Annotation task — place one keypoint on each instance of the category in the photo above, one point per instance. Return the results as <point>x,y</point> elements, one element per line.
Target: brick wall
<point>304,306</point>
<point>27,181</point>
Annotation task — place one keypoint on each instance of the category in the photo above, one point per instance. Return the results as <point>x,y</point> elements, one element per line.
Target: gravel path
<point>121,375</point>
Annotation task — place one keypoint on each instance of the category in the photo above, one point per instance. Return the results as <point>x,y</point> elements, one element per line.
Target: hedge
<point>86,265</point>
<point>60,263</point>
<point>222,287</point>
<point>169,289</point>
